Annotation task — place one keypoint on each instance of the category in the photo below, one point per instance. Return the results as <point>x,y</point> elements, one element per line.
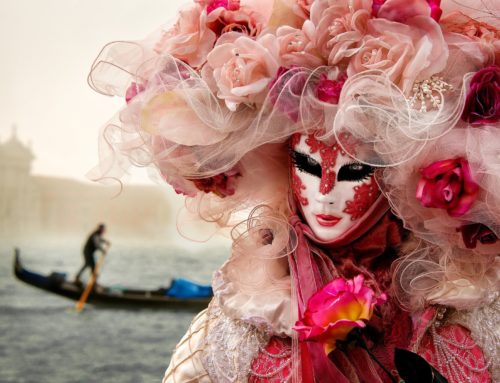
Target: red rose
<point>448,184</point>
<point>229,5</point>
<point>436,10</point>
<point>329,90</point>
<point>475,232</point>
<point>482,104</point>
<point>400,10</point>
<point>220,184</point>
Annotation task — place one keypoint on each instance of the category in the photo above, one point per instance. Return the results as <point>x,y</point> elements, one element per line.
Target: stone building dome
<point>14,151</point>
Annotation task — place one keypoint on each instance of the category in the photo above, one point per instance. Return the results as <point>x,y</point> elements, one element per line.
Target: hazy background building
<point>47,50</point>
<point>45,206</point>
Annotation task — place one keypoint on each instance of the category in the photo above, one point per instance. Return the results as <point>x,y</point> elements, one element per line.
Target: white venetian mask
<point>333,190</point>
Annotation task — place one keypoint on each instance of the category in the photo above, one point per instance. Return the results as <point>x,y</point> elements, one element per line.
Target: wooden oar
<point>83,298</point>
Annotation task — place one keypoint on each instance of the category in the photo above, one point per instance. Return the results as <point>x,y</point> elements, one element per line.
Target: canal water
<point>43,339</point>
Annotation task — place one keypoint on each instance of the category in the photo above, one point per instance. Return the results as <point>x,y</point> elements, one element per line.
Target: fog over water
<point>43,339</point>
<point>47,207</point>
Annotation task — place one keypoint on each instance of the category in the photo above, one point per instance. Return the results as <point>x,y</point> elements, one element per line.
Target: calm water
<point>42,338</point>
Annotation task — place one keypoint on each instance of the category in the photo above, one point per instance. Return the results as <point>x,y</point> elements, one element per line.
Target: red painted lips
<point>327,220</point>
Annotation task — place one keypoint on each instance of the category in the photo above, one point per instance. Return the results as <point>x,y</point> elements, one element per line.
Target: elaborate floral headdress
<point>211,99</point>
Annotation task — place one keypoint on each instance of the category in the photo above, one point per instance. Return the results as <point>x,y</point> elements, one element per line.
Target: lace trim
<point>231,345</point>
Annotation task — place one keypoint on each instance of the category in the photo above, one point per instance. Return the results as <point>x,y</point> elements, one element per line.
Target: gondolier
<point>94,242</point>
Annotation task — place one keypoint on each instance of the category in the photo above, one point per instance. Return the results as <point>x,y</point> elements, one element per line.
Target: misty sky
<point>47,50</point>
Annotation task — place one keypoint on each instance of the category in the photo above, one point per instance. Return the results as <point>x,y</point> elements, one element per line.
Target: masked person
<point>350,148</point>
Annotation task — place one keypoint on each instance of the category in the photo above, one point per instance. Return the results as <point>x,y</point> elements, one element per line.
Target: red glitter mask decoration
<point>328,159</point>
<point>332,189</point>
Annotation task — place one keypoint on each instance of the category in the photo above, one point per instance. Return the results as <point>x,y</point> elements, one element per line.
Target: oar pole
<point>86,292</point>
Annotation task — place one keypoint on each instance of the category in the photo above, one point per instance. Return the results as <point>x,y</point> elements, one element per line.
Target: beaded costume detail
<point>273,363</point>
<point>451,348</point>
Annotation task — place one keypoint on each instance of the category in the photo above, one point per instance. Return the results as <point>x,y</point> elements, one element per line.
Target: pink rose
<point>220,184</point>
<point>335,310</point>
<point>482,104</point>
<point>448,184</point>
<point>475,232</point>
<point>486,35</point>
<point>405,52</point>
<point>340,27</point>
<point>297,47</point>
<point>242,68</point>
<point>242,19</point>
<point>301,8</point>
<point>189,39</point>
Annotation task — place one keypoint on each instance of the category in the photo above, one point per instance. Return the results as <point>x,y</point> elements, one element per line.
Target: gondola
<point>161,298</point>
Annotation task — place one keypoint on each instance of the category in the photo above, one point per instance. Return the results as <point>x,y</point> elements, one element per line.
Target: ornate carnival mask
<point>333,190</point>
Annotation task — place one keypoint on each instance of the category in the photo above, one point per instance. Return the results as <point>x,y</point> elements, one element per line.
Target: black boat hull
<point>56,283</point>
